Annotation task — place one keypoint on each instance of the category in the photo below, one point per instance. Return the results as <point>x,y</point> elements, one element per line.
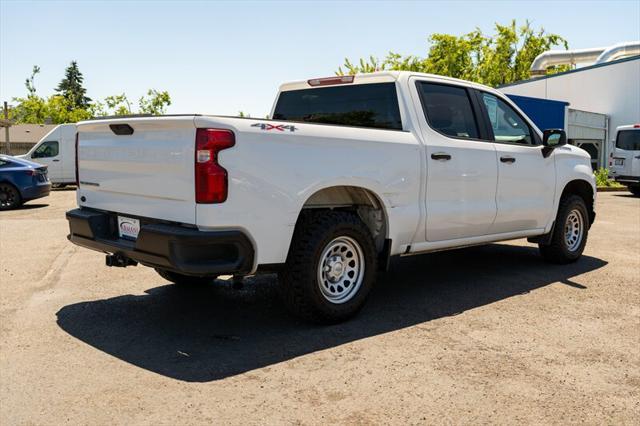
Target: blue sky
<point>222,57</point>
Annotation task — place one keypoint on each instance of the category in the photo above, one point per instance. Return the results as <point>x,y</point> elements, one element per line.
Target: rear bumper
<point>628,180</point>
<point>173,247</point>
<point>35,191</point>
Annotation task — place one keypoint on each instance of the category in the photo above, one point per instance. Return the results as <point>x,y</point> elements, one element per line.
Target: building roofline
<point>590,67</point>
<point>555,101</point>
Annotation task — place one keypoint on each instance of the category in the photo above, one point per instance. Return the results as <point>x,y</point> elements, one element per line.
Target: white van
<point>57,151</point>
<point>625,157</point>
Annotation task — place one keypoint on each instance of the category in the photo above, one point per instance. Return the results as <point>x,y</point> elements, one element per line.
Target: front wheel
<point>635,190</point>
<point>570,232</point>
<point>181,279</point>
<point>331,267</point>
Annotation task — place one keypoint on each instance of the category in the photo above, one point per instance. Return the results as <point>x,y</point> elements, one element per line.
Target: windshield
<point>629,140</point>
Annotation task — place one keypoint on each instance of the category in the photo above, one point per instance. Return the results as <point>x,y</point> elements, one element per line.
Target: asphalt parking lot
<point>481,335</point>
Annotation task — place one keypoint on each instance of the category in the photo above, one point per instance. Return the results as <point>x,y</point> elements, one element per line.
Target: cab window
<point>47,149</point>
<point>363,105</point>
<point>629,140</point>
<point>506,123</point>
<point>448,110</point>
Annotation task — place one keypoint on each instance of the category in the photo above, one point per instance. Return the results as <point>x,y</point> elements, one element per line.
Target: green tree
<point>32,109</point>
<point>155,102</point>
<point>37,110</point>
<point>71,88</point>
<point>61,110</point>
<point>502,58</point>
<point>118,104</point>
<point>71,103</point>
<point>29,82</point>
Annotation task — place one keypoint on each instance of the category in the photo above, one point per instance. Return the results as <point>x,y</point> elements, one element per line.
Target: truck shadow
<point>204,334</point>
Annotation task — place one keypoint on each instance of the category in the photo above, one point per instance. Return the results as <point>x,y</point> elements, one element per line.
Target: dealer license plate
<point>128,228</point>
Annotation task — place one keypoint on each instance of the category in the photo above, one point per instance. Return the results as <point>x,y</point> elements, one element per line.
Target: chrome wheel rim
<point>573,230</point>
<point>341,270</point>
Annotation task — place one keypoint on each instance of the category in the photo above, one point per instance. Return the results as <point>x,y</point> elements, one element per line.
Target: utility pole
<point>6,124</point>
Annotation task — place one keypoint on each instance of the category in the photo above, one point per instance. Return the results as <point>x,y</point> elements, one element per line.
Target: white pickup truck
<point>348,173</point>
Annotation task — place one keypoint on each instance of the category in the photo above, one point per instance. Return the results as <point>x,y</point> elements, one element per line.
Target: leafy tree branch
<point>493,60</point>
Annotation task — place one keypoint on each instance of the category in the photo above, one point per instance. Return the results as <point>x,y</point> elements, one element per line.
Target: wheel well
<point>583,189</point>
<point>359,200</point>
<point>8,182</point>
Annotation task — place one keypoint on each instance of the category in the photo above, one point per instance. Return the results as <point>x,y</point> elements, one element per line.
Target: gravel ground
<point>480,335</point>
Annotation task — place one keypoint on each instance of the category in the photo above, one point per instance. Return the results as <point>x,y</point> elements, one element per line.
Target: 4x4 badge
<point>279,127</point>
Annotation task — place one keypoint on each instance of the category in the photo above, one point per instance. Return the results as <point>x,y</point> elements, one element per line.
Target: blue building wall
<point>545,113</point>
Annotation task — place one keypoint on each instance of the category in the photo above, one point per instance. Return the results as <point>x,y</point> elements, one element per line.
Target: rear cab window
<point>448,110</point>
<point>628,140</point>
<point>373,105</point>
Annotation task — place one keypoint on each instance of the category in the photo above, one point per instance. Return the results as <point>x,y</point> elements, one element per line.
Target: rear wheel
<point>9,197</point>
<point>177,278</point>
<point>331,267</point>
<point>635,190</point>
<point>570,232</point>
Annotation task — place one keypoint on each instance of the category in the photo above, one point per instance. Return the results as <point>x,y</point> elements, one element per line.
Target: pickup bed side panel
<point>273,172</point>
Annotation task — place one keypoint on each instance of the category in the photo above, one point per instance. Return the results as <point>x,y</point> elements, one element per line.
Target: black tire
<point>181,279</point>
<point>635,190</point>
<point>300,279</point>
<point>9,197</point>
<point>559,250</point>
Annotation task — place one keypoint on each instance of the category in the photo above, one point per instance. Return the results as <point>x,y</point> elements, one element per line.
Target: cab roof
<point>629,127</point>
<point>381,77</point>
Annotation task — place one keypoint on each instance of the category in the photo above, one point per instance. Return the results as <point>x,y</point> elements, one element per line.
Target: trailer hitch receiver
<point>118,260</point>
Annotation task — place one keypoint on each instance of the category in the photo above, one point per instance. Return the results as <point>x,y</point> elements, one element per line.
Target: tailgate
<point>147,173</point>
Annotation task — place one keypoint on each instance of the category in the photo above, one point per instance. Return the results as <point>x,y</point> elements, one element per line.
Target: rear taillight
<point>76,154</point>
<point>211,178</point>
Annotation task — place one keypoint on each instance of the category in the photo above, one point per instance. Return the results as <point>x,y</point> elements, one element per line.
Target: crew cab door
<point>461,165</point>
<point>526,179</point>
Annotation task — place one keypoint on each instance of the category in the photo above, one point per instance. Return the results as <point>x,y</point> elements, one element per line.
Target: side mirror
<point>554,138</point>
<point>551,139</point>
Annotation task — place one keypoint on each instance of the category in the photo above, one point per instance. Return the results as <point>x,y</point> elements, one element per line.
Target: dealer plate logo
<point>128,228</point>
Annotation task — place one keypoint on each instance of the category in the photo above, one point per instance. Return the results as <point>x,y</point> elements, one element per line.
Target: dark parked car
<point>21,181</point>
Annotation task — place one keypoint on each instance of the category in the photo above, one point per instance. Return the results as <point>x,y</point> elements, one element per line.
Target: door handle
<point>509,160</point>
<point>443,156</point>
<point>55,160</point>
